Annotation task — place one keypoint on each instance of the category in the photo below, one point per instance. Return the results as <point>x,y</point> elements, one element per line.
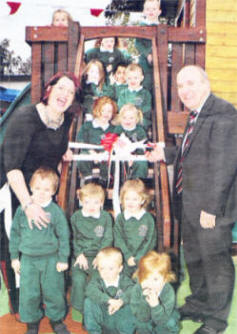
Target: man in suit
<point>205,198</point>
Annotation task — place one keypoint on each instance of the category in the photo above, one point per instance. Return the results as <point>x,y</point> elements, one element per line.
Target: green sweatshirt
<point>98,292</point>
<point>91,234</point>
<point>135,237</point>
<point>49,240</point>
<point>160,314</point>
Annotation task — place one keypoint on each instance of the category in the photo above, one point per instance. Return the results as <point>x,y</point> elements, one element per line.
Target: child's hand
<point>114,305</point>
<point>152,297</point>
<point>81,260</point>
<point>16,265</point>
<point>131,261</point>
<point>112,79</point>
<point>68,155</point>
<point>109,68</point>
<point>94,263</point>
<point>61,266</point>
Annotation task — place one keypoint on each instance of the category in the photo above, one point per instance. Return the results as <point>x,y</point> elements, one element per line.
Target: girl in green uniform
<point>153,298</point>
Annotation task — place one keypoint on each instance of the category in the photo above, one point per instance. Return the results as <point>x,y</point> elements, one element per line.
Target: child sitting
<point>135,93</point>
<point>118,78</point>
<point>107,307</point>
<point>153,298</point>
<point>107,52</point>
<point>61,18</point>
<point>134,229</point>
<point>44,255</point>
<point>94,86</point>
<point>92,132</point>
<point>129,120</point>
<point>151,12</point>
<point>92,231</point>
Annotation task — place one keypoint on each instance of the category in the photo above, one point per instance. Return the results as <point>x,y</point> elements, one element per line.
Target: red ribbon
<point>14,6</point>
<point>96,11</point>
<point>108,141</point>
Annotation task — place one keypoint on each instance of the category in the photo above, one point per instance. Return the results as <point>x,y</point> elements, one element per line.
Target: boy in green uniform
<point>92,132</point>
<point>151,12</point>
<point>107,307</point>
<point>44,255</point>
<point>134,229</point>
<point>94,85</point>
<point>129,118</point>
<point>136,94</point>
<point>153,298</point>
<point>92,231</point>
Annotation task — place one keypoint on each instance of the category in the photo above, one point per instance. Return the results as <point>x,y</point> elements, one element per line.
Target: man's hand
<point>82,262</point>
<point>61,266</point>
<point>157,154</point>
<point>207,220</point>
<point>37,216</point>
<point>16,265</point>
<point>114,305</point>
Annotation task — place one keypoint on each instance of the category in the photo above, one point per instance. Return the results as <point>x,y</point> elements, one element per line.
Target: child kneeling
<point>107,307</point>
<point>44,255</point>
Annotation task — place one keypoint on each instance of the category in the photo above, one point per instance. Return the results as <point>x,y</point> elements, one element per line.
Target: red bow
<point>108,141</point>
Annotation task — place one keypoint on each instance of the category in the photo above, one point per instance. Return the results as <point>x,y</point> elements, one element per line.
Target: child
<point>151,12</point>
<point>61,18</point>
<point>107,52</point>
<point>107,304</point>
<point>92,231</point>
<point>92,132</point>
<point>94,86</point>
<point>118,78</point>
<point>134,229</point>
<point>153,298</point>
<point>43,259</point>
<point>135,93</point>
<point>129,120</point>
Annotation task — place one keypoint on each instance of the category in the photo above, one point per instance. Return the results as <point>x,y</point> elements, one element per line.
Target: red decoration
<point>96,11</point>
<point>14,6</point>
<point>108,141</point>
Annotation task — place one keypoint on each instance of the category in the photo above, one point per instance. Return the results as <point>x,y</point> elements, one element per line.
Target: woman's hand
<point>37,216</point>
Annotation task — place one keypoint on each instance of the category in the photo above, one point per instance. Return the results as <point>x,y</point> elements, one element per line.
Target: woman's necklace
<point>53,123</point>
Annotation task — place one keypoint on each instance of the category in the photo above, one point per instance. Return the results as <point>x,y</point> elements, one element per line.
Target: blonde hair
<point>45,173</point>
<point>100,67</point>
<point>134,68</point>
<point>62,11</point>
<point>154,262</point>
<point>110,252</point>
<point>92,190</point>
<point>129,107</point>
<point>100,103</point>
<point>139,187</point>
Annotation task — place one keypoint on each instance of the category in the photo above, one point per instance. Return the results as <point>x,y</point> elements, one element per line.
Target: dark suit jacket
<point>210,165</point>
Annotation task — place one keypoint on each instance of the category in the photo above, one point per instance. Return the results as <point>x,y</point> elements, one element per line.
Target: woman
<point>37,135</point>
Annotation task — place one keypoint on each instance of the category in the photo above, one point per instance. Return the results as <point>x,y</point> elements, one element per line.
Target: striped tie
<point>185,146</point>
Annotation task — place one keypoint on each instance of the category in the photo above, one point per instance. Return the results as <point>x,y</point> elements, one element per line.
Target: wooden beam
<point>46,34</point>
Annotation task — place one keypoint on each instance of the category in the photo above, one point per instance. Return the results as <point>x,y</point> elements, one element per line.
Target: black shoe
<point>59,327</point>
<point>32,328</point>
<point>186,314</point>
<point>204,329</point>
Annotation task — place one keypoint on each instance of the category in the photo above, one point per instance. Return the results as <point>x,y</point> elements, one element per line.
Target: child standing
<point>107,52</point>
<point>136,94</point>
<point>92,231</point>
<point>153,298</point>
<point>61,18</point>
<point>151,12</point>
<point>129,120</point>
<point>92,132</point>
<point>43,259</point>
<point>108,293</point>
<point>94,86</point>
<point>134,229</point>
